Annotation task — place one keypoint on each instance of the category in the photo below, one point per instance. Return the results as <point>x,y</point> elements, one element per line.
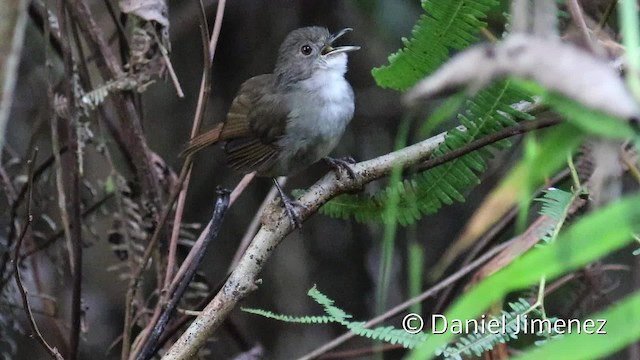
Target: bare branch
<point>150,345</point>
<point>180,192</point>
<point>276,226</point>
<point>130,129</point>
<point>578,18</point>
<point>53,352</point>
<point>14,23</point>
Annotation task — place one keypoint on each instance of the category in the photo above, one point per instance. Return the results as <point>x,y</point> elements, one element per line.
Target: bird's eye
<point>306,50</point>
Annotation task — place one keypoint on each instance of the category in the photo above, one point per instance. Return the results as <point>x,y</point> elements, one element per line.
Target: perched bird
<point>281,123</point>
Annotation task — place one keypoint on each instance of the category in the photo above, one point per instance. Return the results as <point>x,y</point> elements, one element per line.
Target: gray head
<point>310,49</point>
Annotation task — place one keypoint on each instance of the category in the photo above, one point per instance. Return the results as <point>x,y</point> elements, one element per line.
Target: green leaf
<point>425,193</point>
<point>334,314</point>
<point>622,327</point>
<point>591,238</point>
<point>290,318</point>
<point>587,119</point>
<point>447,25</point>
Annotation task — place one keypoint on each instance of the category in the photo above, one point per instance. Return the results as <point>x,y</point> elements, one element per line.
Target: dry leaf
<point>560,67</point>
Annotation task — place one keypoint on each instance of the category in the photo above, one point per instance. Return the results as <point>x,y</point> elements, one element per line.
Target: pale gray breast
<point>322,107</point>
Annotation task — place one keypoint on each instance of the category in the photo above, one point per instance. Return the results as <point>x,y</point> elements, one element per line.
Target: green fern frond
<point>556,204</point>
<point>290,318</point>
<point>515,321</point>
<point>334,312</point>
<point>387,334</point>
<point>446,25</point>
<point>425,193</point>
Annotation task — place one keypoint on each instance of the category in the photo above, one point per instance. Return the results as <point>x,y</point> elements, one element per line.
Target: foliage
<point>556,205</point>
<point>589,120</point>
<point>622,328</point>
<point>426,192</point>
<point>445,26</point>
<point>387,334</point>
<point>513,321</point>
<point>591,238</point>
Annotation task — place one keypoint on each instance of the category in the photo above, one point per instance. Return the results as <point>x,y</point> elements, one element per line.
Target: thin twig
<point>520,128</point>
<point>16,204</point>
<point>605,17</point>
<point>122,37</point>
<point>130,129</point>
<point>183,183</point>
<point>578,18</point>
<point>150,345</point>
<point>75,216</point>
<point>60,181</point>
<point>255,223</point>
<point>53,352</point>
<point>242,185</point>
<point>407,304</point>
<point>203,94</point>
<point>169,65</point>
<point>51,240</point>
<point>217,25</point>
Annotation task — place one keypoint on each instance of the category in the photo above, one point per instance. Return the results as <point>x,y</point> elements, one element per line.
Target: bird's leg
<point>290,206</point>
<point>341,164</point>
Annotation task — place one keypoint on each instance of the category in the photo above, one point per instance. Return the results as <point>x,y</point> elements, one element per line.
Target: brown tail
<point>203,140</point>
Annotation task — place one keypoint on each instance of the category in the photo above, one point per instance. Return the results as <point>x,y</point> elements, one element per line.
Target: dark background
<point>340,257</point>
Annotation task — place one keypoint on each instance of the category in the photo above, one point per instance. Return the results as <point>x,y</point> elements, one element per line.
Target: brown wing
<point>256,120</point>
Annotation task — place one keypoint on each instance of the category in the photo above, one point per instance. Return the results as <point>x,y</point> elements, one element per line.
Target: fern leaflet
<point>334,314</point>
<point>290,318</point>
<point>557,205</point>
<point>425,193</point>
<point>512,322</point>
<point>446,25</point>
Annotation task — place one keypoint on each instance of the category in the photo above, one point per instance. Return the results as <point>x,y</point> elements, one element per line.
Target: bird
<point>280,123</point>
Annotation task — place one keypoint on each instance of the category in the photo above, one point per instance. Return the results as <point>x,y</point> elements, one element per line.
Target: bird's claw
<point>293,208</point>
<point>342,164</point>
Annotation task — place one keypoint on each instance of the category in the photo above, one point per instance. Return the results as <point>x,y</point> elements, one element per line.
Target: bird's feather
<point>256,120</point>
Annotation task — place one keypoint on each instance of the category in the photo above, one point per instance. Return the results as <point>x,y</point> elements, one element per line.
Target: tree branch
<point>53,352</point>
<point>130,129</point>
<point>276,226</point>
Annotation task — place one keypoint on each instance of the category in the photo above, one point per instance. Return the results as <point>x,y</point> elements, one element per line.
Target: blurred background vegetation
<point>341,257</point>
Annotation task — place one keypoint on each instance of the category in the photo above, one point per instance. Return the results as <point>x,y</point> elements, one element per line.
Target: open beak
<point>330,50</point>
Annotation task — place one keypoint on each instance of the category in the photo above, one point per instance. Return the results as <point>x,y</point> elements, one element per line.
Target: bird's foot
<point>291,207</point>
<point>341,164</point>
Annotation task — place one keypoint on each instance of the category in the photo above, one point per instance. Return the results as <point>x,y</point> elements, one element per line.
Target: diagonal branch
<point>276,226</point>
<point>179,194</point>
<point>130,130</point>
